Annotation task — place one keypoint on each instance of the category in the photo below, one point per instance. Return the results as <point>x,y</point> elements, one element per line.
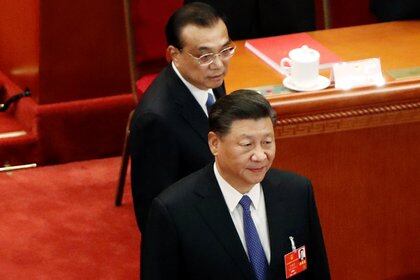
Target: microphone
<point>4,106</point>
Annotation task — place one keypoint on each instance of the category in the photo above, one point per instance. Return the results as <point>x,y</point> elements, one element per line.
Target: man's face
<point>197,41</point>
<point>245,153</point>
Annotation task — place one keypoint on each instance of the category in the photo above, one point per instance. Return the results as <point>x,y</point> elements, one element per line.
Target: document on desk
<point>272,49</point>
<point>404,73</point>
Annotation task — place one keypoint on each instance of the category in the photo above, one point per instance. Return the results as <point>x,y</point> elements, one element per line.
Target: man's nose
<point>217,62</point>
<point>259,154</point>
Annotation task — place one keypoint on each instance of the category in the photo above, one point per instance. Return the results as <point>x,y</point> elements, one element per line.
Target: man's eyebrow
<point>204,48</point>
<point>245,135</point>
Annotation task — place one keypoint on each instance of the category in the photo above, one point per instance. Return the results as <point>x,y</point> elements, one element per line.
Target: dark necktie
<point>253,243</point>
<point>210,101</point>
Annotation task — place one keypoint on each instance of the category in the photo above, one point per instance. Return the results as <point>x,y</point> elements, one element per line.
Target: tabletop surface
<point>397,44</point>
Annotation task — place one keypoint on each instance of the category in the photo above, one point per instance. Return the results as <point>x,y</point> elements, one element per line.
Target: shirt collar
<point>232,196</point>
<point>199,94</point>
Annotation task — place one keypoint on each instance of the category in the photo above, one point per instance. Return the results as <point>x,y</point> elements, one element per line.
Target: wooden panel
<point>360,148</point>
<point>366,186</point>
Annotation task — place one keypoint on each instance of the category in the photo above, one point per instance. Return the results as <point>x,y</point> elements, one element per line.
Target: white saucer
<point>321,83</point>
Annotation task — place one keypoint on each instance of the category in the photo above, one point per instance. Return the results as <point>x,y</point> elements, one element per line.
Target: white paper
<point>358,73</point>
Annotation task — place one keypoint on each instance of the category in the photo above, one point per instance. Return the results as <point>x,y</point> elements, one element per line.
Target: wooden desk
<point>396,43</point>
<point>361,149</point>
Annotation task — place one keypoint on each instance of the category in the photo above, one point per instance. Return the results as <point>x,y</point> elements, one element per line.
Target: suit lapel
<point>195,117</point>
<point>213,209</point>
<point>276,219</point>
<point>189,108</point>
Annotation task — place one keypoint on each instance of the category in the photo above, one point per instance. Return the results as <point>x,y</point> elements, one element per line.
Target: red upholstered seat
<point>149,18</point>
<point>143,83</point>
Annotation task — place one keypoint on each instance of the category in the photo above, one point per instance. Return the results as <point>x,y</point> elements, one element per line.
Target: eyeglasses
<point>208,58</point>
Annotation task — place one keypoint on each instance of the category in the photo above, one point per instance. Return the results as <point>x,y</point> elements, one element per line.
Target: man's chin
<point>257,175</point>
<point>215,82</point>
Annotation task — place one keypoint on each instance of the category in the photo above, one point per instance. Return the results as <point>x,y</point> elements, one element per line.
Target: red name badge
<point>295,262</point>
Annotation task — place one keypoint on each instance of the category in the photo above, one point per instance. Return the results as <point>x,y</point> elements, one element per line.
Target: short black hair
<point>243,104</point>
<point>195,13</point>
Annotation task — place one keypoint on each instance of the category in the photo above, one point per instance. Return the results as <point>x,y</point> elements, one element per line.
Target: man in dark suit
<point>169,130</point>
<point>236,218</point>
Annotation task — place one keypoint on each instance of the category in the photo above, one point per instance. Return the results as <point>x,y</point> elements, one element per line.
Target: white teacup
<point>303,66</point>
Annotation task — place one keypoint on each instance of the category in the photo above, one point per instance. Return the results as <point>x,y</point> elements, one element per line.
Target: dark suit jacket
<point>168,139</point>
<point>190,233</point>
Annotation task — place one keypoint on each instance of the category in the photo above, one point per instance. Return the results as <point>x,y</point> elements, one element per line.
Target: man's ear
<point>172,54</point>
<point>213,141</point>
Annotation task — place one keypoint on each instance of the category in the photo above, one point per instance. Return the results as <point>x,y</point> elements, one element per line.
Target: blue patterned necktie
<point>210,101</point>
<point>255,250</point>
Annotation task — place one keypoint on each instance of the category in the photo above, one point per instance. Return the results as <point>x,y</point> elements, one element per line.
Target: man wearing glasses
<point>169,129</point>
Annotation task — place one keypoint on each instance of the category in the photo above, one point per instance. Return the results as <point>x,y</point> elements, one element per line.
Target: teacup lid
<point>304,54</point>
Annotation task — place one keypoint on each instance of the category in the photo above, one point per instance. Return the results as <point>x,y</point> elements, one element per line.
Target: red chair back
<point>143,84</point>
<point>149,18</point>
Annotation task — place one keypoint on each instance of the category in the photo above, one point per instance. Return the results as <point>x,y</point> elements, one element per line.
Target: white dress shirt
<point>257,208</point>
<point>199,94</point>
